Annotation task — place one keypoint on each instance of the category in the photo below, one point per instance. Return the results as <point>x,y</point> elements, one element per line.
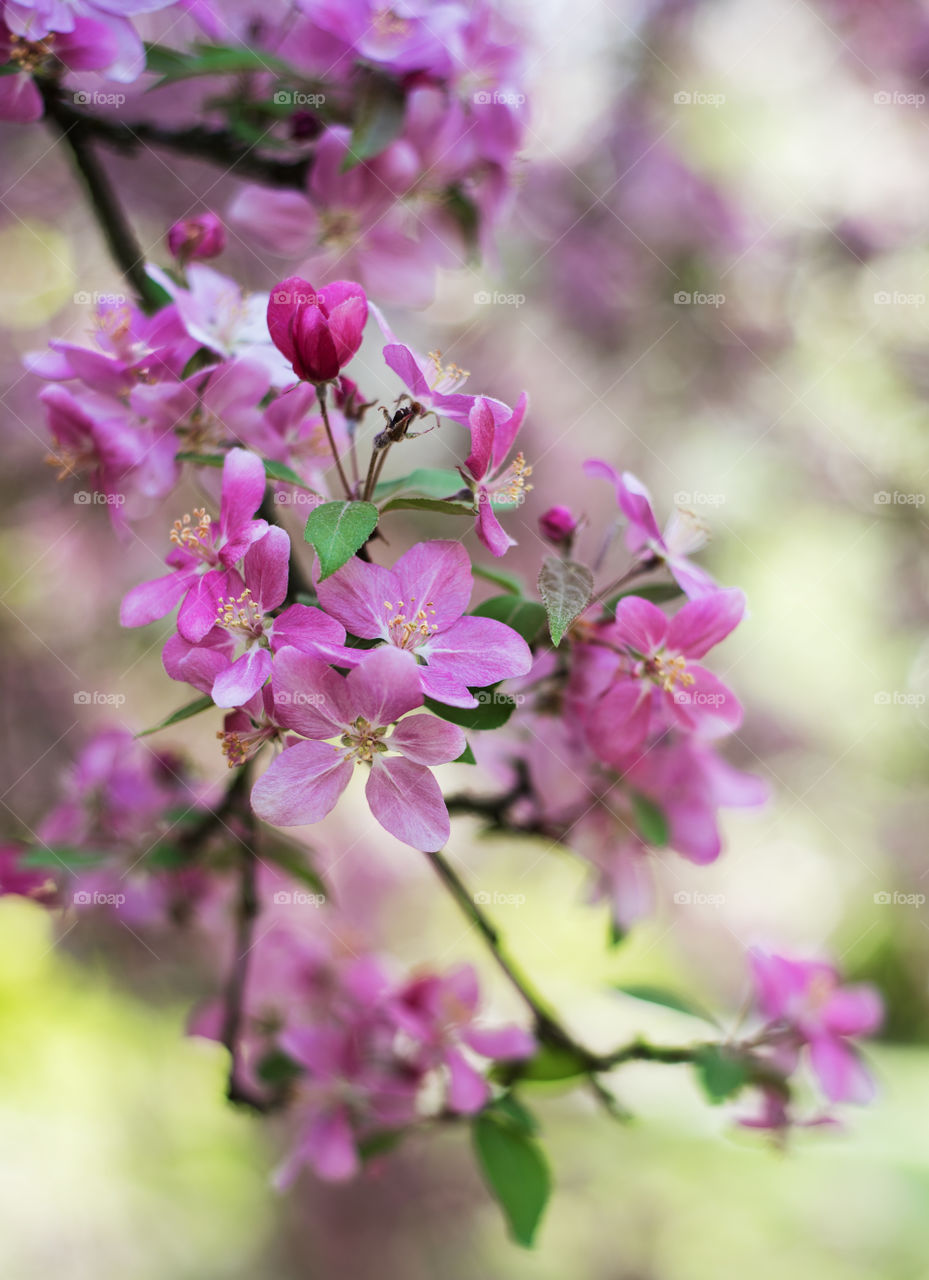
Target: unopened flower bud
<point>197,238</point>
<point>558,525</point>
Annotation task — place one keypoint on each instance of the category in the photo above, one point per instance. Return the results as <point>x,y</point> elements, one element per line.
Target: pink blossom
<point>807,1005</point>
<point>498,484</point>
<point>683,535</point>
<point>196,238</point>
<point>417,606</point>
<point>203,554</point>
<point>218,314</point>
<point>430,383</point>
<point>318,331</point>
<point>353,222</point>
<point>305,781</point>
<point>439,1012</point>
<point>85,35</point>
<point>235,655</point>
<point>659,684</point>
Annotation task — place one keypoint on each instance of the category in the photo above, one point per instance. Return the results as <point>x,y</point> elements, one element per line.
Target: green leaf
<point>291,859</point>
<point>427,482</point>
<point>651,820</point>
<point>337,530</point>
<point>183,713</point>
<point>492,711</point>
<point>273,470</point>
<point>657,593</point>
<point>552,1063</point>
<point>516,1171</point>
<point>280,471</point>
<point>210,60</point>
<point>566,588</point>
<point>466,757</point>
<point>500,578</point>
<point>378,118</point>
<point>278,1069</point>
<point>525,616</point>
<point>666,999</point>
<point>720,1072</point>
<point>57,856</point>
<point>447,506</point>
<point>513,1110</point>
<point>616,934</point>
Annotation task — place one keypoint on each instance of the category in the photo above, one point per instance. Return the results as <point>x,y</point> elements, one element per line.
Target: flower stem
<point>324,410</point>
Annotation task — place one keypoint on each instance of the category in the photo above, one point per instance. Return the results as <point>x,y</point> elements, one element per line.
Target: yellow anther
<point>192,536</point>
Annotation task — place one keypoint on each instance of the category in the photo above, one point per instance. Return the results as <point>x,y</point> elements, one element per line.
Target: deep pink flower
<point>204,553</point>
<point>318,331</point>
<point>196,238</point>
<point>683,535</point>
<point>558,525</point>
<point>305,781</point>
<point>807,1005</point>
<point>498,484</point>
<point>418,606</point>
<point>660,684</point>
<point>439,1012</point>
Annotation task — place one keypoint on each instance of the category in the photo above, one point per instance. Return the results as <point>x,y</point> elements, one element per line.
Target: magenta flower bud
<point>557,524</point>
<point>317,330</point>
<point>197,238</point>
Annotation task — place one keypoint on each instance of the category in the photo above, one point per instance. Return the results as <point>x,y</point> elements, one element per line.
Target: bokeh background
<point>716,275</point>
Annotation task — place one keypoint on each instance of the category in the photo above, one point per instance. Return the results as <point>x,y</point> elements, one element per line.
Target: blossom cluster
<point>594,703</point>
<point>406,123</point>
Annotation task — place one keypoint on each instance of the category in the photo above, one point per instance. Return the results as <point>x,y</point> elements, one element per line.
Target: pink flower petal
<point>407,801</point>
<point>435,578</point>
<point>237,683</point>
<point>640,625</point>
<point>468,1091</point>
<point>427,739</point>
<point>704,622</point>
<point>358,595</point>
<point>384,686</point>
<point>302,785</point>
<point>478,652</point>
<point>265,569</point>
<point>309,696</point>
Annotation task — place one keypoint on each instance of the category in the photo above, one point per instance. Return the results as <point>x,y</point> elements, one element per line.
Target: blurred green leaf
<point>667,999</point>
<point>552,1063</point>
<point>210,60</point>
<point>657,593</point>
<point>183,713</point>
<point>516,1171</point>
<point>509,582</point>
<point>56,856</point>
<point>446,506</point>
<point>466,757</point>
<point>426,482</point>
<point>720,1072</point>
<point>336,530</point>
<point>381,106</point>
<point>651,820</point>
<point>492,711</point>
